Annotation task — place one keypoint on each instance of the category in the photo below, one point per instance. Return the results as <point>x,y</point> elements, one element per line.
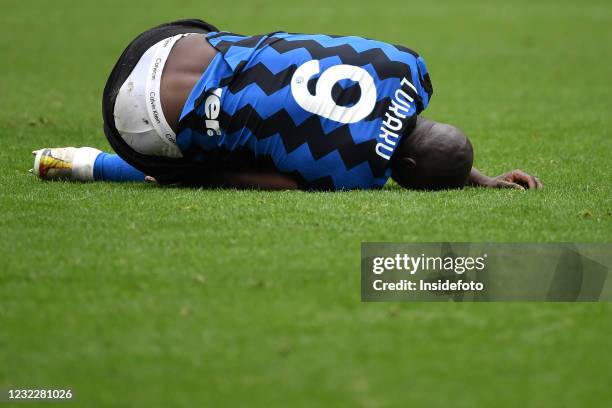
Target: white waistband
<point>152,89</point>
<point>138,111</point>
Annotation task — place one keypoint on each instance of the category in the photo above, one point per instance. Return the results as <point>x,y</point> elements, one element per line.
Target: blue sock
<point>110,167</point>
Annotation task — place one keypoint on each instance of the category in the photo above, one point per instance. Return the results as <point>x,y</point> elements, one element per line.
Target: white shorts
<point>138,112</point>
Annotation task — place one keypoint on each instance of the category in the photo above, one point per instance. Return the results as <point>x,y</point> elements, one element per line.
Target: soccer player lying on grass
<point>187,104</point>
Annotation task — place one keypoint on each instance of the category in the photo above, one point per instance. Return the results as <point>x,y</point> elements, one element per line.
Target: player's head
<point>434,156</point>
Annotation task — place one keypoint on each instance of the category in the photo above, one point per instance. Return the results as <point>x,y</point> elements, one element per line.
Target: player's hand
<point>517,179</point>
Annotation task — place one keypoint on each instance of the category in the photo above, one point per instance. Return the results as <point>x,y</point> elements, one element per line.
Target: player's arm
<point>513,179</point>
<point>252,180</point>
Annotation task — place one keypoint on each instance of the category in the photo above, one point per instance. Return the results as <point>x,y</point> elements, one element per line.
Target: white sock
<point>83,163</point>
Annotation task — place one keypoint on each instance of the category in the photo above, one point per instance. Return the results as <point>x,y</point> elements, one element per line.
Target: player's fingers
<point>508,184</point>
<point>539,184</point>
<point>524,179</point>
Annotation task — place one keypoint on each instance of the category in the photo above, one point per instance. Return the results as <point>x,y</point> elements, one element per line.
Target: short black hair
<point>435,156</point>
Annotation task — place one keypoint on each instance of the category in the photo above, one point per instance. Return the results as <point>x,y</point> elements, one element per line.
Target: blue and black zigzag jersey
<point>328,110</point>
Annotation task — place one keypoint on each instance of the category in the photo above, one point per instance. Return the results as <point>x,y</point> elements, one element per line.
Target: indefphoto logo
<point>415,264</point>
<point>485,272</point>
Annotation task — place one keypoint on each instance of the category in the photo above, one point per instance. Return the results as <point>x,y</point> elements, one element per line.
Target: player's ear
<point>409,162</point>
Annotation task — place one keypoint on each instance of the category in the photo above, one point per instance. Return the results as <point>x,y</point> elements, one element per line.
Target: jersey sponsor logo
<point>393,123</point>
<point>212,108</point>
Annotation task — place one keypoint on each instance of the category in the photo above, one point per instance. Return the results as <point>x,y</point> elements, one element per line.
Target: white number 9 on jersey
<point>322,103</point>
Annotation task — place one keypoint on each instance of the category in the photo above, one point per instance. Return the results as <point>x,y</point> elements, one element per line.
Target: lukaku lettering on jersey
<point>328,110</point>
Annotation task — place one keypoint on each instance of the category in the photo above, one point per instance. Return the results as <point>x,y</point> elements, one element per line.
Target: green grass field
<point>134,295</point>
